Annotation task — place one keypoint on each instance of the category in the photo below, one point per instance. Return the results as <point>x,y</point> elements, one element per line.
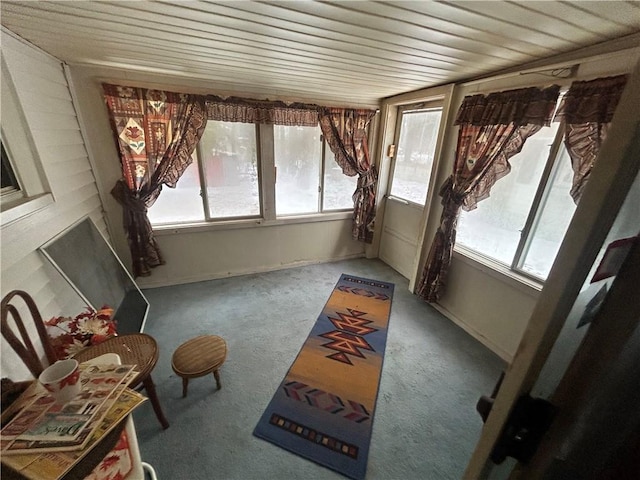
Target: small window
<point>415,151</point>
<point>229,160</point>
<point>298,155</point>
<point>552,221</point>
<point>9,181</point>
<point>226,167</point>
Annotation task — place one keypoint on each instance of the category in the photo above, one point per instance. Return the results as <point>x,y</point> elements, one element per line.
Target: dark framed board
<point>86,260</point>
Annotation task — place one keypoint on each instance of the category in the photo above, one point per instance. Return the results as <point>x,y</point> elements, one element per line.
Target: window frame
<point>320,172</point>
<point>13,191</point>
<point>515,268</point>
<point>34,192</point>
<point>267,177</point>
<point>203,185</point>
<point>429,105</point>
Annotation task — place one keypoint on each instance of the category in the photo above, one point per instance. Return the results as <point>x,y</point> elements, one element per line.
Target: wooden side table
<point>137,349</point>
<point>198,357</point>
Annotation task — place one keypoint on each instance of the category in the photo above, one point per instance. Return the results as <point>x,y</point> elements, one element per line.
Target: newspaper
<point>49,427</point>
<point>53,465</point>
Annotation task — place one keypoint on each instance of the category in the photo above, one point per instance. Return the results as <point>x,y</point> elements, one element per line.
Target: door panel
<point>400,236</point>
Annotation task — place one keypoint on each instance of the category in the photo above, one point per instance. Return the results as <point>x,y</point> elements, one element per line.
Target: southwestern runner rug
<point>323,409</point>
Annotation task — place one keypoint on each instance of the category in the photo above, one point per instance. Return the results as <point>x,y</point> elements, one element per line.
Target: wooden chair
<point>24,346</point>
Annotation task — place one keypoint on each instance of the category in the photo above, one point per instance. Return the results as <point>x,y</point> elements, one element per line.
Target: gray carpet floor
<point>425,424</point>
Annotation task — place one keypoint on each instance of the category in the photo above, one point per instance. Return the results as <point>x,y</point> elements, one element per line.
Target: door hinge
<point>529,421</point>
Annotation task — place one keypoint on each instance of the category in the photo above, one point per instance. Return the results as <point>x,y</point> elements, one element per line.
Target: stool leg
<point>150,387</point>
<point>185,384</point>
<point>216,375</point>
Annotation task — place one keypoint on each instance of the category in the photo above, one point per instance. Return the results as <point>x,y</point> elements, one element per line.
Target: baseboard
<point>506,356</point>
<point>148,282</point>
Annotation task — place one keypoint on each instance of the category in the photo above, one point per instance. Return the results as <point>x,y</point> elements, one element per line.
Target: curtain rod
<point>561,72</point>
<point>546,68</point>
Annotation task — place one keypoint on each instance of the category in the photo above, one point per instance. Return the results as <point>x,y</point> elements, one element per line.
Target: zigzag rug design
<point>323,409</point>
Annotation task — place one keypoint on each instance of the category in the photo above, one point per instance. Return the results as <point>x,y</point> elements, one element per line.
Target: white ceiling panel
<point>354,52</point>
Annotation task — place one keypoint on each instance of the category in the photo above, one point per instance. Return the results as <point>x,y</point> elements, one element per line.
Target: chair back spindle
<point>23,346</point>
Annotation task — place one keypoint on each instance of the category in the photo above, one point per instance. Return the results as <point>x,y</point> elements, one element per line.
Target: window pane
<point>417,144</point>
<point>493,229</point>
<point>9,181</point>
<point>229,159</point>
<point>556,211</point>
<point>181,204</point>
<point>338,188</point>
<point>297,151</point>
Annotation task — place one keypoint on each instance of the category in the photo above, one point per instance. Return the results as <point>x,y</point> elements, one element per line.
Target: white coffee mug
<point>62,380</point>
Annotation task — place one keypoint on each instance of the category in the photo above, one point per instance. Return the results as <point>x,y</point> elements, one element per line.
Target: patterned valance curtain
<point>586,111</point>
<point>345,131</point>
<point>156,133</point>
<point>235,109</point>
<point>493,128</point>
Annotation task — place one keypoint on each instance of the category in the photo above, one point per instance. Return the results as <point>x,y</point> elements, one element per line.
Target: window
<point>338,189</point>
<point>552,221</point>
<point>298,157</point>
<point>25,188</point>
<point>229,161</point>
<point>522,223</point>
<point>9,181</point>
<point>227,166</point>
<point>414,157</point>
<point>182,204</point>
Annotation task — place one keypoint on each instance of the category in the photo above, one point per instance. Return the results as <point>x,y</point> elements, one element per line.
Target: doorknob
<point>528,422</point>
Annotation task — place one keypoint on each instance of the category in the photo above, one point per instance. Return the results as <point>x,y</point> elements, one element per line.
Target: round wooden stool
<point>198,357</point>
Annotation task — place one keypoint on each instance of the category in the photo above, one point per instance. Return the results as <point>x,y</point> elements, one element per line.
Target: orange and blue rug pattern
<point>323,409</point>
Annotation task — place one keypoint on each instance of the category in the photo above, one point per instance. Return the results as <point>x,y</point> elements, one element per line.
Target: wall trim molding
<point>148,282</point>
<point>503,354</point>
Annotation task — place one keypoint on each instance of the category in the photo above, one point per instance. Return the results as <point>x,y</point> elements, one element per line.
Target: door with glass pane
<point>412,164</point>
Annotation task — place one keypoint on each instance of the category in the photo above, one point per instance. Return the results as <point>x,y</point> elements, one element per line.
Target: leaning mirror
<point>86,260</point>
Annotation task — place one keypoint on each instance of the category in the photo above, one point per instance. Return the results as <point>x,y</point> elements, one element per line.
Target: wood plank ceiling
<point>351,52</point>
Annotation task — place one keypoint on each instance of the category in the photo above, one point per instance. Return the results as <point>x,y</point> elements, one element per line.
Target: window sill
<point>18,209</point>
<point>497,271</point>
<point>248,223</point>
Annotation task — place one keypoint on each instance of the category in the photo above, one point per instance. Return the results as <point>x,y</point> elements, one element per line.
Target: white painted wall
<point>202,252</point>
<point>39,109</point>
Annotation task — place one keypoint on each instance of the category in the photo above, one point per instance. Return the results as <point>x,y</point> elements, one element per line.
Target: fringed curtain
<point>156,133</point>
<point>243,110</point>
<point>493,128</point>
<point>586,111</point>
<point>345,131</point>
